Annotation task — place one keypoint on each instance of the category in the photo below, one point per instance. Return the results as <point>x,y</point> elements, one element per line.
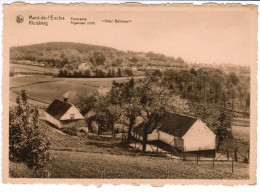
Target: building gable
<point>71,114</point>
<point>199,137</point>
<point>198,129</point>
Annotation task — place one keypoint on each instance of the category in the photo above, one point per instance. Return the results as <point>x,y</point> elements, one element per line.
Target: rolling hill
<point>60,54</point>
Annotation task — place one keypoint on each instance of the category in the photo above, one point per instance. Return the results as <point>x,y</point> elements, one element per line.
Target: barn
<point>182,132</point>
<point>63,114</point>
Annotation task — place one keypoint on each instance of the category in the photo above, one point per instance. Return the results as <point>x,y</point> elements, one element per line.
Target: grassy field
<point>241,133</point>
<point>102,157</point>
<point>244,122</point>
<point>29,69</point>
<point>70,164</point>
<point>44,89</point>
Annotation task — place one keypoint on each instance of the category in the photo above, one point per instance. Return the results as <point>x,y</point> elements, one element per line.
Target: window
<point>72,116</point>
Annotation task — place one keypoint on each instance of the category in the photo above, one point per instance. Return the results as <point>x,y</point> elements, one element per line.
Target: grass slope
<point>97,157</point>
<point>70,164</point>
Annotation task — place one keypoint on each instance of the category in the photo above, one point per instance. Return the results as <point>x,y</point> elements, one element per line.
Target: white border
<point>127,188</point>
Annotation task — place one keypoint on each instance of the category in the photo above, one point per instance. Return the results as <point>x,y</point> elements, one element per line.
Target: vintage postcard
<point>130,94</point>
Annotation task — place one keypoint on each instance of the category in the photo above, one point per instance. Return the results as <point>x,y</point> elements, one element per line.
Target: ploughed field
<point>43,90</point>
<point>104,157</point>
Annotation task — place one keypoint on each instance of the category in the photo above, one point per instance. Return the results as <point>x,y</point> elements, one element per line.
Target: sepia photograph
<point>130,94</point>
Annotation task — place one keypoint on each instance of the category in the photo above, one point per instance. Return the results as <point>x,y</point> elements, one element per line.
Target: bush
<point>27,142</point>
<point>69,131</point>
<point>83,131</point>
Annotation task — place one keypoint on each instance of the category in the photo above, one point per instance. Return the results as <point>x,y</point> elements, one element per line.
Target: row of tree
<point>96,72</point>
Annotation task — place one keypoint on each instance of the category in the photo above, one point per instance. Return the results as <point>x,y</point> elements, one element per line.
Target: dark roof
<point>175,124</point>
<point>58,108</point>
<point>139,129</point>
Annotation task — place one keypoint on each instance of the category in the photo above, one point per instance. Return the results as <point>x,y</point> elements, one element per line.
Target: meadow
<point>89,157</point>
<point>70,164</point>
<point>30,69</point>
<point>44,89</point>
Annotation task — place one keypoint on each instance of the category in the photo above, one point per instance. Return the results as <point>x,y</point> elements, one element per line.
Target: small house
<point>183,132</point>
<point>63,114</point>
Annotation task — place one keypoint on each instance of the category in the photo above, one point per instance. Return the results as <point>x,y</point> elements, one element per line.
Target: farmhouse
<point>64,115</point>
<point>182,132</point>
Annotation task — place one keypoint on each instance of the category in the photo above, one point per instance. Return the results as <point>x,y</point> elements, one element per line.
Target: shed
<point>183,132</point>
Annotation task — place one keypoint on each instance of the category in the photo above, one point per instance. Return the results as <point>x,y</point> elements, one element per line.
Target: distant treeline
<point>59,54</point>
<point>77,73</point>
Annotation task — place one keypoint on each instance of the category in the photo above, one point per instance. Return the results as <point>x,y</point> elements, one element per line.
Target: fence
<point>212,160</point>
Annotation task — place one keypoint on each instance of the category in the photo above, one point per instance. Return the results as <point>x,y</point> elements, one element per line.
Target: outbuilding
<point>180,131</point>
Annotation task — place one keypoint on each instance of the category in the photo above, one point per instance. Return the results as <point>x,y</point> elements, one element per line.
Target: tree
<point>248,102</point>
<point>86,105</point>
<point>108,108</point>
<point>179,60</point>
<point>156,74</point>
<point>233,78</point>
<point>27,142</point>
<point>223,126</point>
<point>99,58</point>
<point>216,85</point>
<point>129,104</point>
<point>154,101</point>
<point>119,72</point>
<point>232,92</point>
<point>205,111</point>
<point>113,72</point>
<point>241,92</point>
<point>193,71</point>
<point>87,73</point>
<point>134,60</point>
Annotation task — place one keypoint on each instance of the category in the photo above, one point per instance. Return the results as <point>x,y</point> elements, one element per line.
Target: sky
<point>206,34</point>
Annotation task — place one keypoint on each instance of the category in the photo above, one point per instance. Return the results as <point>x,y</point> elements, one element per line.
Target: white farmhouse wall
<point>153,136</point>
<point>72,110</point>
<point>166,138</point>
<point>52,120</point>
<point>199,137</point>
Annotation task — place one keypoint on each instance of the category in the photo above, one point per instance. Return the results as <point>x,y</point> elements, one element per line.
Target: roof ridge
<point>58,108</point>
<point>184,115</point>
<point>176,124</point>
<point>64,101</point>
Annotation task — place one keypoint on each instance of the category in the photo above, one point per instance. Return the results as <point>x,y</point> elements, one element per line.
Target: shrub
<point>27,142</point>
<point>69,131</point>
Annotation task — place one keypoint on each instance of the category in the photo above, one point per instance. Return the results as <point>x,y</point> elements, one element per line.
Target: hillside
<point>108,158</point>
<point>81,47</point>
<point>60,54</point>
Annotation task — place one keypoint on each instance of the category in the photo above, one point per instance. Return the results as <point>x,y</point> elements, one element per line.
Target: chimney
<point>65,99</point>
